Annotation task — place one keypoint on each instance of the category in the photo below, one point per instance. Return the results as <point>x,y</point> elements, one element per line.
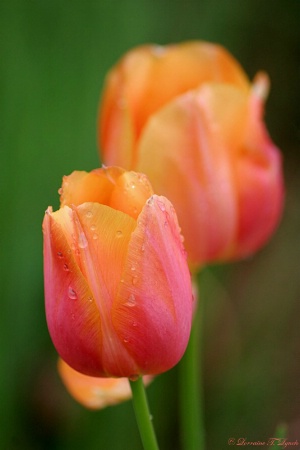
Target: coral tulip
<point>95,392</point>
<point>187,116</point>
<point>117,285</point>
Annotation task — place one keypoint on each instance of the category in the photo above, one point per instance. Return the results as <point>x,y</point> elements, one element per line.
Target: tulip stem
<point>142,414</point>
<point>190,390</point>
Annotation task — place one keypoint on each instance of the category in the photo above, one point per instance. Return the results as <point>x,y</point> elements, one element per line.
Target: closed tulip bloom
<point>187,116</point>
<point>95,392</point>
<point>117,286</point>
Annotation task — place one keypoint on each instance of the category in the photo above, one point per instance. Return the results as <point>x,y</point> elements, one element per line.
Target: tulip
<point>187,116</point>
<point>95,392</point>
<point>117,285</point>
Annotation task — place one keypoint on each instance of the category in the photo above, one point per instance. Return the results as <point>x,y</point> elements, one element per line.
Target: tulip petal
<point>102,256</point>
<point>73,319</point>
<point>152,309</point>
<point>94,186</point>
<point>95,392</point>
<point>186,139</point>
<point>259,177</point>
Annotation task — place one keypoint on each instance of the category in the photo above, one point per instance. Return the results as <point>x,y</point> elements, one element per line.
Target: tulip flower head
<point>117,286</point>
<point>188,117</point>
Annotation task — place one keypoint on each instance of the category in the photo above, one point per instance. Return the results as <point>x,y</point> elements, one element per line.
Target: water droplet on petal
<point>66,268</point>
<point>60,191</point>
<point>158,50</point>
<point>134,280</point>
<point>60,255</point>
<point>143,247</point>
<point>82,240</point>
<point>119,234</point>
<point>125,340</point>
<point>90,299</point>
<point>133,377</point>
<point>89,214</point>
<point>131,301</point>
<point>95,236</point>
<point>72,294</point>
<point>93,227</point>
<point>134,324</point>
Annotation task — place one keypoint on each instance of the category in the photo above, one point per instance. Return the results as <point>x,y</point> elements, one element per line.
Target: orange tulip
<point>95,392</point>
<point>188,117</point>
<point>117,286</point>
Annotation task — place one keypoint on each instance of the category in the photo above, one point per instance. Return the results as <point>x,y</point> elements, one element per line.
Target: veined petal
<point>103,235</point>
<point>73,319</point>
<point>153,306</point>
<point>185,139</point>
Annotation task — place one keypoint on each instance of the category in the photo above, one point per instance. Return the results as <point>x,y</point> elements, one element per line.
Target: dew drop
<point>134,324</point>
<point>66,268</point>
<point>143,247</point>
<point>89,214</point>
<point>131,301</point>
<point>93,227</point>
<point>134,280</point>
<point>60,191</point>
<point>82,241</point>
<point>133,377</point>
<point>95,236</point>
<point>90,299</point>
<point>119,234</point>
<point>158,50</point>
<point>126,340</point>
<point>60,255</point>
<point>72,294</point>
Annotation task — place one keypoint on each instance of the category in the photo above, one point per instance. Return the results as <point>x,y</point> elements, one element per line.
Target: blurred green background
<point>54,56</point>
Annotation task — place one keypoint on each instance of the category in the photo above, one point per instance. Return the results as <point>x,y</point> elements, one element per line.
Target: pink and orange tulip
<point>188,117</point>
<point>117,285</point>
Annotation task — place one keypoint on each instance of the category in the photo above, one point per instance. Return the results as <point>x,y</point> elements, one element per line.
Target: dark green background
<point>54,56</point>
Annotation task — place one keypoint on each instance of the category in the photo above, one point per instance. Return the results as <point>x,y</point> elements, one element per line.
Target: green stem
<point>142,414</point>
<point>191,395</point>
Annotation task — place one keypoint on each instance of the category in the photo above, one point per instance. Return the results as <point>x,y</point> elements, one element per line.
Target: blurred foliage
<point>54,57</point>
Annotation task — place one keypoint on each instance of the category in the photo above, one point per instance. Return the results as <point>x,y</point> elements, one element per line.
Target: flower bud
<point>117,285</point>
<point>187,116</point>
